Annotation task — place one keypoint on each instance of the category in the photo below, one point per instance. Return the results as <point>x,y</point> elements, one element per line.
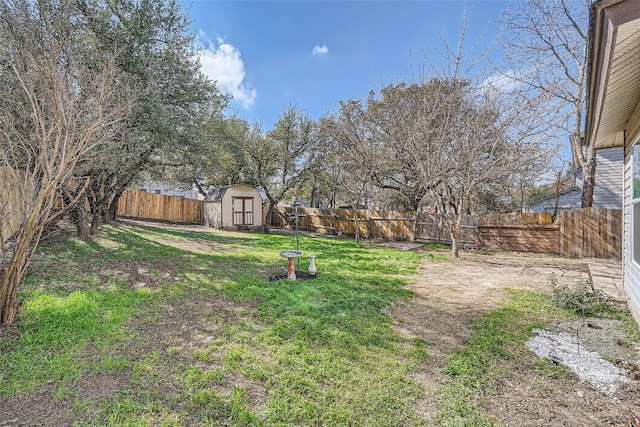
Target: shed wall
<point>212,214</point>
<point>241,191</point>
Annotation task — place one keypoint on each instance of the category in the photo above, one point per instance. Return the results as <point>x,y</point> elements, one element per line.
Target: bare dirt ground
<point>450,294</point>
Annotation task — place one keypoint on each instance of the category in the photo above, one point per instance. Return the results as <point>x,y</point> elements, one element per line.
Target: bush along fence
<point>141,205</point>
<point>590,232</point>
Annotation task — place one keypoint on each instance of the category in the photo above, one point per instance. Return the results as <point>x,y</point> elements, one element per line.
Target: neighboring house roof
<point>613,69</point>
<point>553,196</point>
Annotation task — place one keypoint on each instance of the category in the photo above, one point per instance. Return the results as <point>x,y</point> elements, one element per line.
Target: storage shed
<point>233,206</point>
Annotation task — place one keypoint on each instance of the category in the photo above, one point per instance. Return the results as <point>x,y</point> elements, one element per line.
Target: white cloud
<point>320,50</point>
<point>222,63</point>
<point>501,82</point>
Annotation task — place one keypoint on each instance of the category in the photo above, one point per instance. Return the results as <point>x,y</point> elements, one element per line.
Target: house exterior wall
<point>241,191</point>
<point>567,201</point>
<point>607,192</point>
<point>155,187</point>
<point>631,269</point>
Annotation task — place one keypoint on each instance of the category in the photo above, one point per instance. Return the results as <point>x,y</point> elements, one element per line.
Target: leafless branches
<point>62,103</point>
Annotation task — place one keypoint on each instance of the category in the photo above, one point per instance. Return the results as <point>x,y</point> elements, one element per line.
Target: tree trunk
<point>12,275</point>
<point>455,245</point>
<point>8,301</point>
<point>313,196</point>
<point>356,224</point>
<point>269,218</point>
<point>79,217</point>
<point>588,179</point>
<point>95,221</point>
<point>414,228</point>
<point>111,213</point>
<point>455,237</point>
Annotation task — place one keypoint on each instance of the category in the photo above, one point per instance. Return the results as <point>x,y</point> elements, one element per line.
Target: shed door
<point>243,211</point>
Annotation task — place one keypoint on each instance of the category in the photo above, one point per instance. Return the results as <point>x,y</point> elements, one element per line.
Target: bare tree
<point>408,119</point>
<point>56,110</point>
<point>545,45</point>
<point>355,149</point>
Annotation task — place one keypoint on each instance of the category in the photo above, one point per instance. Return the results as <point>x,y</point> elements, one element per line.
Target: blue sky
<point>313,54</point>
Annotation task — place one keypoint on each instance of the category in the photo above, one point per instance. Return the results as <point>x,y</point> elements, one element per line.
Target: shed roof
<point>216,194</point>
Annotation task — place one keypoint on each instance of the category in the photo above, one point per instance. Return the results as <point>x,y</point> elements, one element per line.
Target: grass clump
<point>585,300</point>
<point>498,336</point>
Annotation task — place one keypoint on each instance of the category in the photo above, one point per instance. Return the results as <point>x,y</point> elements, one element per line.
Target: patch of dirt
<point>194,245</point>
<point>101,385</point>
<point>450,294</point>
<point>300,275</point>
<point>190,326</point>
<point>531,399</point>
<point>36,409</point>
<point>402,246</point>
<point>134,274</point>
<point>602,336</point>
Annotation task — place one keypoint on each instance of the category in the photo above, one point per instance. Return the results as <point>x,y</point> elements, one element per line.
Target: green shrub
<point>585,300</point>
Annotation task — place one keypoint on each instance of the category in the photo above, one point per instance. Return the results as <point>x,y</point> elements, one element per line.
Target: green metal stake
<point>295,205</point>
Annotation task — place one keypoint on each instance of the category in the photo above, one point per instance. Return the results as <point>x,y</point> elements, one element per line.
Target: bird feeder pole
<point>295,205</point>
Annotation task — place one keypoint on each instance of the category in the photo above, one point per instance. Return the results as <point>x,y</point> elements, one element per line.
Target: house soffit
<point>622,91</point>
<point>615,84</point>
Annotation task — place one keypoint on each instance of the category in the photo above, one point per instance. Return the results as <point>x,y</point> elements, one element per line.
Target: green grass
<point>249,352</point>
<point>317,352</point>
<point>498,338</point>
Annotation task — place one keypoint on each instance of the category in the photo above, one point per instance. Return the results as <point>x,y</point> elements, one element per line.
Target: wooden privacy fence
<point>389,225</point>
<point>587,232</point>
<point>591,232</point>
<point>13,208</point>
<point>142,205</point>
<point>522,233</point>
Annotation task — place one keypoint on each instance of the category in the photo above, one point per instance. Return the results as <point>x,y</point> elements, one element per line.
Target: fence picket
<point>588,232</point>
<point>142,205</point>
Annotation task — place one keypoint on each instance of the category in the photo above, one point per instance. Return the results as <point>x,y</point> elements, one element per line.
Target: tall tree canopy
<point>175,100</point>
<point>280,160</point>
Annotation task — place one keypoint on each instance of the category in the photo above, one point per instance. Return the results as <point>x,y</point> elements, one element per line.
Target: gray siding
<point>568,200</point>
<point>607,192</point>
<point>631,273</point>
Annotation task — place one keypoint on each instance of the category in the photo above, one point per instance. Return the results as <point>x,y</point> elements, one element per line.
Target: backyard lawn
<point>170,325</point>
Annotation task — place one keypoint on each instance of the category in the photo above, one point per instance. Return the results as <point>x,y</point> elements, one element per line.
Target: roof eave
<point>606,16</point>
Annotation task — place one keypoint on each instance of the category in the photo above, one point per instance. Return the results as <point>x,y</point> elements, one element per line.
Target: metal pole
<point>297,239</point>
